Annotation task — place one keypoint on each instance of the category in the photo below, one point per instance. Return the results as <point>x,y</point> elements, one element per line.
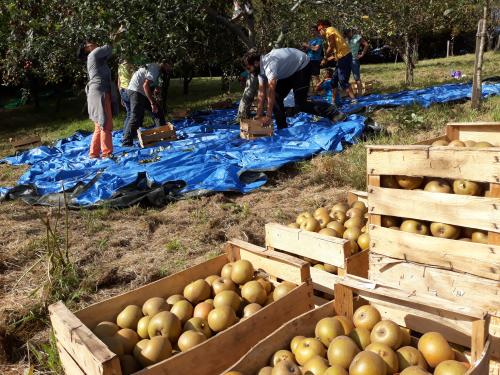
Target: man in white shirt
<point>280,71</point>
<point>140,91</point>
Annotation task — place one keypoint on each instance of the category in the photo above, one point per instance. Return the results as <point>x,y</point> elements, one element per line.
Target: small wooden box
<point>324,249</point>
<point>81,352</point>
<point>366,88</point>
<point>466,326</point>
<point>252,129</point>
<point>26,143</point>
<point>150,137</point>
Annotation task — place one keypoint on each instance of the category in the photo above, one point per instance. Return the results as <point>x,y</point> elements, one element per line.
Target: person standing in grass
<point>337,51</point>
<point>102,99</point>
<point>125,71</point>
<point>356,41</point>
<point>314,50</point>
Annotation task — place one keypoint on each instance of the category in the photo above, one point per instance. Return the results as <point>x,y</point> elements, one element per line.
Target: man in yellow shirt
<point>337,51</point>
<point>125,72</point>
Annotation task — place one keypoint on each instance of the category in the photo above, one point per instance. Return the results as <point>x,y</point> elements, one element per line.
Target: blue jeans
<point>126,103</point>
<point>356,69</point>
<point>342,72</point>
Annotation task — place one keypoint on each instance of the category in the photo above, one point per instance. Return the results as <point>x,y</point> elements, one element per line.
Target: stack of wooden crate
<point>464,272</point>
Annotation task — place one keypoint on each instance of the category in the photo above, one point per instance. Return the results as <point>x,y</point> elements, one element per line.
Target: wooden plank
<point>165,287</point>
<point>455,163</point>
<point>462,289</point>
<point>462,210</point>
<point>260,354</point>
<point>324,281</point>
<point>373,218</point>
<point>357,195</point>
<point>494,331</point>
<point>261,324</point>
<point>358,264</point>
<point>312,245</point>
<point>81,344</point>
<point>26,141</point>
<point>479,337</point>
<point>494,235</point>
<point>344,300</point>
<point>68,363</point>
<point>476,123</point>
<point>474,258</point>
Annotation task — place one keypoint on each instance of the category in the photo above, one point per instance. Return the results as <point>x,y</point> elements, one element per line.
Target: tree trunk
<point>408,58</point>
<point>478,64</point>
<point>186,80</point>
<point>497,46</point>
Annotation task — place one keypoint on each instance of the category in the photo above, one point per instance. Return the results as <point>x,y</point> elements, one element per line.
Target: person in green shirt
<point>356,41</point>
<point>125,72</point>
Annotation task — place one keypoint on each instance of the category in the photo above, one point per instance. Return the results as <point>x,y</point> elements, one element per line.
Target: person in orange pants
<point>102,139</point>
<point>102,99</point>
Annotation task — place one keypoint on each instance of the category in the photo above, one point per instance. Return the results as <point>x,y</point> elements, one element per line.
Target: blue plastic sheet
<point>209,157</point>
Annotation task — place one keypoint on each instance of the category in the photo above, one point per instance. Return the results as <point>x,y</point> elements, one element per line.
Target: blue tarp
<point>209,157</point>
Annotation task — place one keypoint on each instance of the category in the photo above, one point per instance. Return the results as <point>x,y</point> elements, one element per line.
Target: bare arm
<point>271,97</point>
<point>261,98</point>
<point>365,45</point>
<point>149,94</point>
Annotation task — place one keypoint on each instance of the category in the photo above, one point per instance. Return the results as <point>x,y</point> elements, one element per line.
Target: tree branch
<point>231,26</point>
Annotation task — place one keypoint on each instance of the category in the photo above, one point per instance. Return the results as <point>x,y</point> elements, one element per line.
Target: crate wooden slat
<point>480,165</point>
<point>84,350</point>
<point>461,325</point>
<point>25,143</point>
<point>478,212</point>
<point>155,135</point>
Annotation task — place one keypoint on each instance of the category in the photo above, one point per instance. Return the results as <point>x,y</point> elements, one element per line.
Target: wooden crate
<point>466,326</point>
<point>325,249</point>
<point>461,271</point>
<point>82,352</point>
<point>150,137</point>
<point>365,89</point>
<point>253,129</point>
<point>26,143</point>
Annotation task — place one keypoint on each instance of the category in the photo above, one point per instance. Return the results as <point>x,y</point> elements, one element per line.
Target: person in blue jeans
<point>314,50</point>
<point>125,72</point>
<point>356,41</point>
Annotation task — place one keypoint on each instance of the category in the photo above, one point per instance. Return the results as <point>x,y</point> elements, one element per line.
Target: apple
<point>414,226</point>
<point>302,217</point>
<point>456,143</point>
<point>438,186</point>
<point>445,230</point>
<point>464,187</point>
<point>310,224</point>
<point>409,182</point>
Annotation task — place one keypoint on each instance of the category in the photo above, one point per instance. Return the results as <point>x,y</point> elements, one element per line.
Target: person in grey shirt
<point>140,90</point>
<point>102,98</point>
<point>280,71</point>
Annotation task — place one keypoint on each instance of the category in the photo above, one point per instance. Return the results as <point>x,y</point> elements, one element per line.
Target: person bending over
<point>140,92</point>
<point>337,51</point>
<point>280,71</point>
